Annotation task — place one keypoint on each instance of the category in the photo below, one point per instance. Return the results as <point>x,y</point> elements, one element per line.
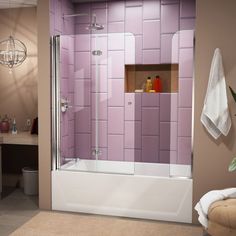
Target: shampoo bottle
<point>148,84</point>
<point>157,84</point>
<point>14,129</point>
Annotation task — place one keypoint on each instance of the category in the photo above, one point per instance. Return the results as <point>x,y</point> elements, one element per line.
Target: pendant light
<point>12,51</point>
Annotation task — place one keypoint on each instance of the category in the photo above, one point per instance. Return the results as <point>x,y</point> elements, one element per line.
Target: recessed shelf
<point>136,76</point>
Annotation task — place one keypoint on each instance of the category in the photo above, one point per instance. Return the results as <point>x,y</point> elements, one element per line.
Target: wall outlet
<point>28,122</point>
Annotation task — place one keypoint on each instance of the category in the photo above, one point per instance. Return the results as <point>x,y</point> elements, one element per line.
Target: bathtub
<point>132,190</point>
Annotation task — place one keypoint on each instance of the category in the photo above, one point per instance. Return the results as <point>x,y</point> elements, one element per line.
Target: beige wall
<point>18,91</point>
<point>44,105</point>
<point>215,27</point>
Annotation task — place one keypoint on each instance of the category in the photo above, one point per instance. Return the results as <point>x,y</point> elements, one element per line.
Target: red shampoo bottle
<point>157,84</point>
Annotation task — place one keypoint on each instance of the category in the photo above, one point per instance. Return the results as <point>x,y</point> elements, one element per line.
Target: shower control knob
<point>129,103</point>
<point>65,105</point>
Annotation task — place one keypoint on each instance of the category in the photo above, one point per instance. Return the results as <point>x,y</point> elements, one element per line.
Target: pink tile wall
<point>140,127</point>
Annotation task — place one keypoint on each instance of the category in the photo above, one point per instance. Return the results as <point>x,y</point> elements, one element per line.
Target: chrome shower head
<point>94,25</point>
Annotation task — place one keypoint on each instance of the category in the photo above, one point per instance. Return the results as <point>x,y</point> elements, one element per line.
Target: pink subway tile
<point>64,124</point>
<point>82,29</point>
<point>187,8</point>
<point>186,62</point>
<point>116,27</point>
<point>64,147</point>
<point>67,7</point>
<point>71,49</point>
<point>102,133</point>
<point>133,155</point>
<point>71,139</point>
<point>116,147</point>
<point>116,41</point>
<point>71,152</point>
<point>132,106</point>
<point>184,150</point>
<point>83,146</point>
<point>82,42</point>
<point>64,87</point>
<point>185,122</point>
<point>150,100</point>
<point>151,56</point>
<point>130,155</point>
<point>175,48</point>
<point>116,11</point>
<point>130,49</point>
<point>167,48</point>
<point>99,5</point>
<point>168,136</point>
<point>115,92</point>
<point>133,3</point>
<point>116,63</point>
<point>151,9</point>
<point>151,34</point>
<point>185,92</point>
<point>71,78</point>
<point>52,6</point>
<point>164,157</point>
<point>170,18</point>
<point>169,107</point>
<point>102,106</point>
<point>58,16</point>
<point>101,15</point>
<point>82,92</point>
<point>150,121</point>
<point>169,1</point>
<point>83,8</point>
<point>150,149</point>
<point>101,82</point>
<point>82,65</point>
<point>64,63</point>
<point>187,24</point>
<point>133,134</point>
<point>133,20</point>
<point>83,119</point>
<point>186,38</point>
<point>138,49</point>
<point>116,120</point>
<point>68,26</point>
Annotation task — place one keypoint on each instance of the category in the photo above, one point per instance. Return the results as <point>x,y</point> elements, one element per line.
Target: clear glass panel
<point>182,136</point>
<point>91,91</point>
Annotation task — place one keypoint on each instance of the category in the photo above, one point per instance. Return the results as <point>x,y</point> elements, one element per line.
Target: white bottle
<point>14,129</point>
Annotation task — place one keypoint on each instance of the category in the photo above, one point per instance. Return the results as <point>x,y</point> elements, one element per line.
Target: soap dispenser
<point>14,129</point>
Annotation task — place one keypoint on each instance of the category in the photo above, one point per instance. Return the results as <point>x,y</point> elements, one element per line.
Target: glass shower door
<point>89,114</point>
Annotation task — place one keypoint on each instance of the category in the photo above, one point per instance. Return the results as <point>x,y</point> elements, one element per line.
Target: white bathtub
<point>124,194</point>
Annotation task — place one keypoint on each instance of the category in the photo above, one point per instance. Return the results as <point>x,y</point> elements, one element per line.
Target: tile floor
<point>15,209</point>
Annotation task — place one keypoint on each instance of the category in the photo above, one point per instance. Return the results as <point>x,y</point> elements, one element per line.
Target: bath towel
<point>215,114</point>
<point>203,205</point>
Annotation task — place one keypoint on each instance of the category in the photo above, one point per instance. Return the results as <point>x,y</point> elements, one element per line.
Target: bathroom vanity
<point>23,138</point>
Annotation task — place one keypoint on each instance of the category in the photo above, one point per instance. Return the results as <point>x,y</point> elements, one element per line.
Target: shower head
<point>94,25</point>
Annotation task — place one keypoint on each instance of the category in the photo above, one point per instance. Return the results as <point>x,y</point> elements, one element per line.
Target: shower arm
<point>74,15</point>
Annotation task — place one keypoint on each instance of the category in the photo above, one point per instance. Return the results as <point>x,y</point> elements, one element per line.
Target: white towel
<point>215,114</point>
<point>203,205</point>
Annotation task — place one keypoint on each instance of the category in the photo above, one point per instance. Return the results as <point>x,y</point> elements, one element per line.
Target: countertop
<point>22,138</point>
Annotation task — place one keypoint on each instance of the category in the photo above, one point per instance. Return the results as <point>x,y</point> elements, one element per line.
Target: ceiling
<point>17,3</point>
